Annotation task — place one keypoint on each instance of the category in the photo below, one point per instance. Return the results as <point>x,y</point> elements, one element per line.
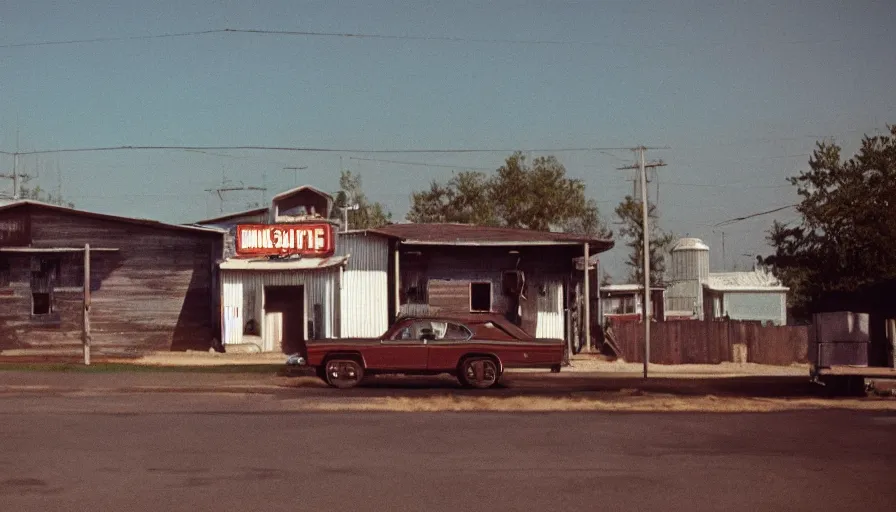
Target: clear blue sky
<point>739,90</point>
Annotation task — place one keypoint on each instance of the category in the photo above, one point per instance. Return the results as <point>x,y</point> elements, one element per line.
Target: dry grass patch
<point>630,403</point>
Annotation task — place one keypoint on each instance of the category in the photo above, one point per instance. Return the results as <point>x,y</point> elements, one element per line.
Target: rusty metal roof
<point>228,216</point>
<point>284,264</point>
<point>114,218</point>
<point>470,235</point>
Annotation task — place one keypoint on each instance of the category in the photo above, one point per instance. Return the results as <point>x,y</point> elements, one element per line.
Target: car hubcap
<point>342,371</point>
<point>482,372</point>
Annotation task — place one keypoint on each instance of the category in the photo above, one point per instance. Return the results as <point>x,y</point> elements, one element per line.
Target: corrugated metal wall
<point>320,288</point>
<point>550,310</point>
<point>364,299</point>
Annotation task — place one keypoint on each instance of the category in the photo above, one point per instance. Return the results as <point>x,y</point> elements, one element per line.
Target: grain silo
<point>688,271</point>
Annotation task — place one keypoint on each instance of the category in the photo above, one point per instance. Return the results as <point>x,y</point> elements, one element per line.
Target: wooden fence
<point>696,342</point>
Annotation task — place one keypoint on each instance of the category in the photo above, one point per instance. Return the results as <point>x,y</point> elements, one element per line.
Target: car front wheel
<point>479,372</point>
<point>343,373</point>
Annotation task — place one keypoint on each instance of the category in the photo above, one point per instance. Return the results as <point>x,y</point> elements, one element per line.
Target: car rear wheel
<point>343,373</point>
<point>479,372</point>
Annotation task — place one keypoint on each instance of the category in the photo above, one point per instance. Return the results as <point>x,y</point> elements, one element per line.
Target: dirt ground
<point>580,363</point>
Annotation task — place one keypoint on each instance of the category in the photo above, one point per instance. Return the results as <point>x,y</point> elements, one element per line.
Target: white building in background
<point>688,271</point>
<point>695,292</point>
<point>755,295</point>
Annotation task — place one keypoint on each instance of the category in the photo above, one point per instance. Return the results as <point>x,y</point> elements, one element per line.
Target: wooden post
<point>587,304</point>
<point>85,334</point>
<point>397,283</point>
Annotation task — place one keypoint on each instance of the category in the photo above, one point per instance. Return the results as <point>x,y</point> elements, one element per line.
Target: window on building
<point>44,276</point>
<point>623,305</point>
<point>40,304</point>
<point>480,297</point>
<point>5,272</point>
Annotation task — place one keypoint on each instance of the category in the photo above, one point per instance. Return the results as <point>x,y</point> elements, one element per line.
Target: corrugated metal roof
<point>626,287</point>
<point>213,220</point>
<point>467,234</point>
<point>756,280</point>
<point>115,218</point>
<point>288,264</point>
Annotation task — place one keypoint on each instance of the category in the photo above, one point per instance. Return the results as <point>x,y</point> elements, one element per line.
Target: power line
<point>723,185</point>
<point>752,215</point>
<point>400,37</point>
<point>422,164</point>
<point>309,149</point>
<point>111,39</point>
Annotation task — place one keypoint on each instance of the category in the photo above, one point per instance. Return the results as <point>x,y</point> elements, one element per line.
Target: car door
<point>405,349</point>
<point>452,341</point>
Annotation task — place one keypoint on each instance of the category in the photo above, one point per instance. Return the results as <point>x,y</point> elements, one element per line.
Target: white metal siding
<point>320,287</point>
<point>550,311</point>
<point>764,306</point>
<point>364,299</point>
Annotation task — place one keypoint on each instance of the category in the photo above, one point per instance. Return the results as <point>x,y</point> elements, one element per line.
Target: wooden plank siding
<point>696,342</point>
<point>440,277</point>
<point>157,292</point>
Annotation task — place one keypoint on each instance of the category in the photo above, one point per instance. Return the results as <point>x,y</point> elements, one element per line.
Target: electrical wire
<point>422,164</point>
<point>306,149</point>
<point>752,215</point>
<point>362,35</point>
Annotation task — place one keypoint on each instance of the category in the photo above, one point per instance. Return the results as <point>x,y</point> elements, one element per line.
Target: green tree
<point>38,194</point>
<point>846,237</point>
<point>367,215</point>
<point>630,214</point>
<point>464,199</point>
<point>538,196</point>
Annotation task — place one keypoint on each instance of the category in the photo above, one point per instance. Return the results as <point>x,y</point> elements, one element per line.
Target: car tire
<point>343,373</point>
<point>479,372</point>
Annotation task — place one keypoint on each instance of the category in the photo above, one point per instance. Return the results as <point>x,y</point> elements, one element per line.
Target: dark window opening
<point>40,304</point>
<point>480,297</point>
<point>5,277</point>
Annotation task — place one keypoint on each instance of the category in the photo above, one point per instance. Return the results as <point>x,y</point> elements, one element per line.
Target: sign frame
<point>287,239</point>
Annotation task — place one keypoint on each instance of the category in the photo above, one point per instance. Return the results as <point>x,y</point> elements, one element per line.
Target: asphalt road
<point>189,451</point>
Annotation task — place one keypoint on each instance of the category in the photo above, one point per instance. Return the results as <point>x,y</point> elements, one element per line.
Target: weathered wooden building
<point>152,284</point>
<point>354,284</point>
<point>530,277</point>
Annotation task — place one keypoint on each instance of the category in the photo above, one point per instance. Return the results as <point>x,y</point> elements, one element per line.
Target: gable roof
<point>228,216</point>
<point>22,203</point>
<point>470,235</point>
<point>756,280</point>
<point>302,188</point>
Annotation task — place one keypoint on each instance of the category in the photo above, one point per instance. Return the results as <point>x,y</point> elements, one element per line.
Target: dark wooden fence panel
<point>693,342</point>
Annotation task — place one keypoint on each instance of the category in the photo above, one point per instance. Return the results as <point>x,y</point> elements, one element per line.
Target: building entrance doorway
<point>288,305</point>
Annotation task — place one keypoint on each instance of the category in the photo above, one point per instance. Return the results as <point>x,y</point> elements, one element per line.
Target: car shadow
<point>598,386</point>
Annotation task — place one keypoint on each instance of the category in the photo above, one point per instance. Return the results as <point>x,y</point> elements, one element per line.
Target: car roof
<point>476,321</point>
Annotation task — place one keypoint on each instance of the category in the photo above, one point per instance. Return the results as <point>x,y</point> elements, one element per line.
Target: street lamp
<point>345,210</point>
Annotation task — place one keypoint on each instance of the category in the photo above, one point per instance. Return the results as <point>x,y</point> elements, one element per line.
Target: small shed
<point>756,295</point>
<point>625,302</point>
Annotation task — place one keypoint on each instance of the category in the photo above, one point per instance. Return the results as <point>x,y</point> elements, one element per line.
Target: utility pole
<point>14,176</point>
<point>225,188</point>
<point>645,227</point>
<point>295,170</point>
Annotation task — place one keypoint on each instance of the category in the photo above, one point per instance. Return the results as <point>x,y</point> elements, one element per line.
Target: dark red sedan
<point>475,349</point>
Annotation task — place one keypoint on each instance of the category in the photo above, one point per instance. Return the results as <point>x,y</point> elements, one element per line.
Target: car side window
<point>414,331</point>
<point>456,332</point>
